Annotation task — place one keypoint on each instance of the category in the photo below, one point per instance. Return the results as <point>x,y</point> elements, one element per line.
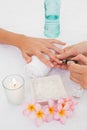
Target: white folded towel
<point>36,68</point>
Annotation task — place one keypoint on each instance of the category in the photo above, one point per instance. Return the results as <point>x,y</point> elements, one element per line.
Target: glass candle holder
<point>14,88</point>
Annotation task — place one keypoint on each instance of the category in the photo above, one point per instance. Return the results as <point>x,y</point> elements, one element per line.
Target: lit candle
<point>14,84</point>
<point>14,88</point>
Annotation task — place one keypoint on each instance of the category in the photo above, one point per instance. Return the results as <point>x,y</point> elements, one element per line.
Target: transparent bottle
<point>52,18</point>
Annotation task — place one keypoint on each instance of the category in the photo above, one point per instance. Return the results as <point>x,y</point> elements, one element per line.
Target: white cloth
<point>36,68</point>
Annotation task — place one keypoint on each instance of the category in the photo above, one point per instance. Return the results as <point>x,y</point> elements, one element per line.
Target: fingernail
<point>59,61</point>
<point>57,56</point>
<point>52,65</point>
<point>70,62</point>
<point>28,60</point>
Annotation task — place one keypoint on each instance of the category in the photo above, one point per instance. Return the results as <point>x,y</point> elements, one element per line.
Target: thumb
<point>26,57</point>
<point>76,68</point>
<point>70,63</point>
<point>67,52</point>
<point>81,58</point>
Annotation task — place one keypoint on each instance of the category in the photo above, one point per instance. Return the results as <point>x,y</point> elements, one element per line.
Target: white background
<point>27,17</point>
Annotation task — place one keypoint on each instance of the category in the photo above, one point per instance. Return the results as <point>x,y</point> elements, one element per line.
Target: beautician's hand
<point>78,72</point>
<point>40,47</point>
<point>72,51</point>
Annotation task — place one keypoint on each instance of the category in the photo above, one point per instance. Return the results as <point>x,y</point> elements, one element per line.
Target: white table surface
<point>27,16</point>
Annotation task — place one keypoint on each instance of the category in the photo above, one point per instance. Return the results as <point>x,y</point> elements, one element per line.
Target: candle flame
<point>14,82</point>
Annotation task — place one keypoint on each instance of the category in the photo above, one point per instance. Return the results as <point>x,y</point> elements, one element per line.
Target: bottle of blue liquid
<point>52,18</point>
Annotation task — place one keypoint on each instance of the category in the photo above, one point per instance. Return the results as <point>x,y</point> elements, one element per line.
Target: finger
<point>58,66</point>
<point>67,52</point>
<point>52,55</point>
<point>26,57</point>
<point>75,67</point>
<point>55,48</point>
<point>43,58</point>
<point>81,58</point>
<point>83,85</point>
<point>61,66</point>
<point>56,41</point>
<point>54,63</point>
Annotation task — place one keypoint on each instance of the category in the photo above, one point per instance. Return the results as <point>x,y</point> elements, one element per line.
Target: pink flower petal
<point>38,122</point>
<point>59,107</point>
<point>26,112</point>
<point>56,116</point>
<point>32,116</point>
<point>67,106</point>
<point>46,110</point>
<point>69,114</point>
<point>62,120</point>
<point>69,99</point>
<point>61,100</point>
<point>51,103</point>
<point>38,107</point>
<point>49,118</point>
